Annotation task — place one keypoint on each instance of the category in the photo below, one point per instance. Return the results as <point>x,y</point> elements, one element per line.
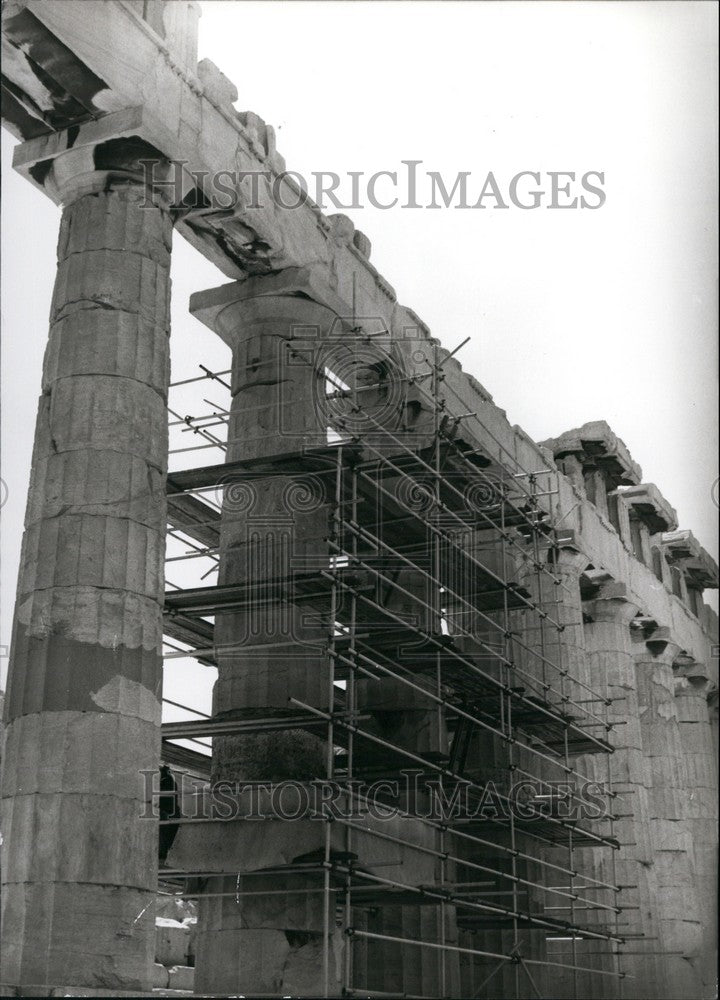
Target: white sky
<point>574,316</point>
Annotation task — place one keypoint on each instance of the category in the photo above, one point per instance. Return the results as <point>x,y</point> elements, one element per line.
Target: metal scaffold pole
<point>456,609</point>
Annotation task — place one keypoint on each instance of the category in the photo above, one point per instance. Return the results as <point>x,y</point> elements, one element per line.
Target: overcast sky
<point>574,315</point>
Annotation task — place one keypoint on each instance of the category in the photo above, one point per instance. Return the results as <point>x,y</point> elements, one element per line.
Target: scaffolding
<point>438,589</point>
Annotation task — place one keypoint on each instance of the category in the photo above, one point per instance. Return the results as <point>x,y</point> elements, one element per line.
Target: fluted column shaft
<point>412,721</point>
<point>611,659</point>
<point>563,601</point>
<point>680,930</point>
<point>273,528</point>
<point>83,699</point>
<point>271,649</point>
<point>701,805</point>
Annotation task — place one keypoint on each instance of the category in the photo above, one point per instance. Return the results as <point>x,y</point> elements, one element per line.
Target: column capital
<point>611,604</point>
<point>92,169</point>
<point>695,686</point>
<point>682,549</point>
<point>282,307</point>
<point>290,333</point>
<point>567,554</point>
<point>562,554</point>
<point>692,679</point>
<point>658,646</point>
<point>650,506</point>
<point>224,309</point>
<point>83,159</point>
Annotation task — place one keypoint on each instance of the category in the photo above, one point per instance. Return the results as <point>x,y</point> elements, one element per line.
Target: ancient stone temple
<point>464,726</point>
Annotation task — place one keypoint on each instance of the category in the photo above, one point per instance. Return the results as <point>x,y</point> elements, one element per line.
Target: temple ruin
<point>418,610</point>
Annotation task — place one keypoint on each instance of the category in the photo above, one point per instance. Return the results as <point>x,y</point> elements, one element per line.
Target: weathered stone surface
<point>701,805</point>
<point>39,948</point>
<point>597,441</point>
<point>83,693</point>
<point>268,961</point>
<point>160,977</point>
<point>682,548</point>
<point>222,845</point>
<point>181,977</point>
<point>173,942</point>
<point>651,506</point>
<point>672,859</point>
<point>610,653</point>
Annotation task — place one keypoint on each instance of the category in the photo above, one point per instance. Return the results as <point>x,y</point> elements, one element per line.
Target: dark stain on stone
<point>20,114</point>
<point>58,674</point>
<point>127,153</point>
<point>169,805</point>
<point>71,84</point>
<point>39,171</point>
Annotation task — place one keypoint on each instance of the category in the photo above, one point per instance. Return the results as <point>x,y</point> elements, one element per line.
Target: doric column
<point>398,713</point>
<point>547,651</point>
<point>680,930</point>
<point>646,513</point>
<point>568,564</point>
<point>410,720</point>
<point>274,528</point>
<point>563,602</point>
<point>692,690</point>
<point>83,700</point>
<point>611,662</point>
<point>713,713</point>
